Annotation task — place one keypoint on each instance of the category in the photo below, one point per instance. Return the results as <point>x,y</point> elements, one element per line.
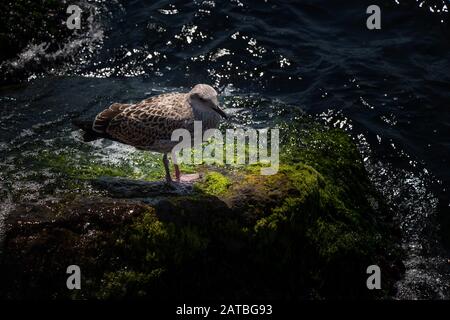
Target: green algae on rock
<point>308,232</point>
<point>214,183</point>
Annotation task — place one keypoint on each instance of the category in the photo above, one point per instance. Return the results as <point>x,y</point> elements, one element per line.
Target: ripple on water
<point>408,191</point>
<point>259,67</point>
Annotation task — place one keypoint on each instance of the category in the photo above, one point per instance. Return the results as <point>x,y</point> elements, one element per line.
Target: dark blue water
<point>389,88</point>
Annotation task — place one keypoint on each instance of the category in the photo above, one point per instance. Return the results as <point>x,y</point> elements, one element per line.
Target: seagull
<point>148,125</point>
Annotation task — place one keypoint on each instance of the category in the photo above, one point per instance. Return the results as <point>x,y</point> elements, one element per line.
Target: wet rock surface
<point>307,232</point>
<point>119,187</point>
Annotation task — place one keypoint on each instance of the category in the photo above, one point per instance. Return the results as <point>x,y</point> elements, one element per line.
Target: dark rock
<point>308,232</point>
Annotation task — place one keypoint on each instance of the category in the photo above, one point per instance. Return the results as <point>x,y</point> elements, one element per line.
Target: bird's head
<point>204,98</point>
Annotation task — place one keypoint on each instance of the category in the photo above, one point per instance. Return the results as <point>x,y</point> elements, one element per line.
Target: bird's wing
<point>151,120</point>
<point>103,119</point>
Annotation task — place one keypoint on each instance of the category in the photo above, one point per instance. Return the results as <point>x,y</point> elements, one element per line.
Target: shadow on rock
<point>119,187</point>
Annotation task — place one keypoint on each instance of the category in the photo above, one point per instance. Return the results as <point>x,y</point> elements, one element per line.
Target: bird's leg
<point>183,178</point>
<point>177,167</point>
<point>177,172</point>
<point>166,167</point>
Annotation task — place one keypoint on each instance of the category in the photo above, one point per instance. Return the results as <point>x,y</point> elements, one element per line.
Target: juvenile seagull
<point>148,125</point>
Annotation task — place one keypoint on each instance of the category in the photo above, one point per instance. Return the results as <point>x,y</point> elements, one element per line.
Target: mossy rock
<point>214,183</point>
<point>308,232</point>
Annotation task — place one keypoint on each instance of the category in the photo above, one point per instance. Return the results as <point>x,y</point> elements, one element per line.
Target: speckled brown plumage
<point>149,124</point>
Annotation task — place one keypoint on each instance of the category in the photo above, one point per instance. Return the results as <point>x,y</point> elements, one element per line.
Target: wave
<point>60,53</point>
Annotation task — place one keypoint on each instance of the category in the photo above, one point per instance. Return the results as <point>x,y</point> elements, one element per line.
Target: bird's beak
<point>220,111</point>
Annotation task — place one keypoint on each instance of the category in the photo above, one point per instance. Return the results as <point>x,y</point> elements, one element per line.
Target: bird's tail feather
<point>86,126</point>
